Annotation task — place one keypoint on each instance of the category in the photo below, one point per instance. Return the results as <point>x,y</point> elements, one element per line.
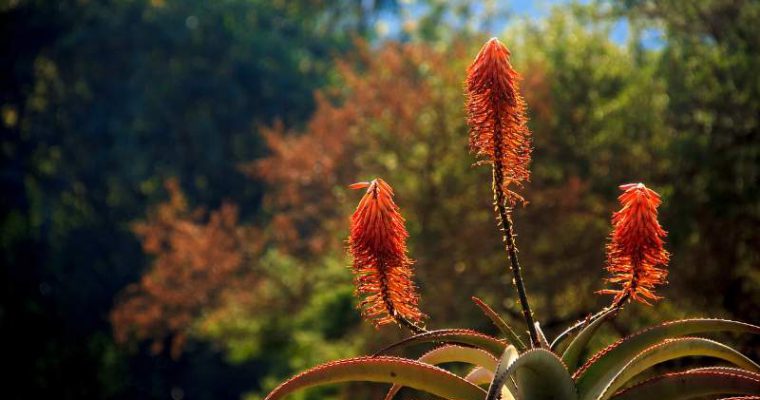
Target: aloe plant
<point>506,367</point>
<point>537,374</point>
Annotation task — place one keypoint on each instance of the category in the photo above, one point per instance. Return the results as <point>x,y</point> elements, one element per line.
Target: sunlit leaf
<point>446,354</point>
<point>501,375</point>
<point>460,336</point>
<point>561,342</point>
<point>541,336</point>
<point>479,376</point>
<point>395,370</point>
<point>688,385</point>
<point>505,329</point>
<point>593,376</point>
<point>572,354</point>
<point>672,349</point>
<point>537,374</point>
<point>728,370</point>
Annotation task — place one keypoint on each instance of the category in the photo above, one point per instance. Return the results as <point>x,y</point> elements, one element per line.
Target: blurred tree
<point>710,58</point>
<point>195,260</point>
<point>99,103</point>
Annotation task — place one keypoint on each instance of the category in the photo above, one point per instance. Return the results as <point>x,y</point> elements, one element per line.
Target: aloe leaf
<point>453,353</point>
<point>537,374</point>
<point>501,375</point>
<point>728,370</point>
<point>572,354</point>
<point>505,329</point>
<point>538,368</point>
<point>398,370</point>
<point>688,385</point>
<point>672,349</point>
<point>593,376</point>
<point>445,354</point>
<point>541,337</point>
<point>460,336</point>
<point>742,398</point>
<point>560,343</point>
<point>532,378</point>
<point>479,376</point>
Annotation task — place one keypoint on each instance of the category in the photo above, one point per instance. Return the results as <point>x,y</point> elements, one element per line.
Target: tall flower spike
<point>382,269</point>
<point>496,115</point>
<point>636,253</point>
<point>498,134</point>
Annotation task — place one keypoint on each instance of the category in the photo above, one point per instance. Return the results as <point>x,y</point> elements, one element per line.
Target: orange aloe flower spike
<point>636,255</point>
<point>382,269</point>
<point>499,136</point>
<point>496,115</point>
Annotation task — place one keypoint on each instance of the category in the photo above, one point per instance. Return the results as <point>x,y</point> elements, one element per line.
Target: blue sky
<point>537,9</point>
<point>518,9</point>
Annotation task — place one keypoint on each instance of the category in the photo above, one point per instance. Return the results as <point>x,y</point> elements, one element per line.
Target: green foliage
<point>317,310</point>
<point>708,64</point>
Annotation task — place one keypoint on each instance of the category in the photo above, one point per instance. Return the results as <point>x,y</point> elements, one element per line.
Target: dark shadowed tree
<point>100,102</point>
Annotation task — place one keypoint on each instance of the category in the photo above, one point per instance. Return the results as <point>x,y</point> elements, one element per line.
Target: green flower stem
<point>507,227</point>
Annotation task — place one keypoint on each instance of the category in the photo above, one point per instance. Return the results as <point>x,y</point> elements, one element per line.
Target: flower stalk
<point>507,227</point>
<point>499,135</point>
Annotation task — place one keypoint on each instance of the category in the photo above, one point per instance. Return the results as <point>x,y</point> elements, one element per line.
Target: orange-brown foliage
<point>636,248</point>
<point>383,86</point>
<point>195,258</point>
<point>298,170</point>
<point>383,270</point>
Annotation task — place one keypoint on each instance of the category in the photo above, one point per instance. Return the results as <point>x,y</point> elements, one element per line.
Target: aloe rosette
<point>538,374</point>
